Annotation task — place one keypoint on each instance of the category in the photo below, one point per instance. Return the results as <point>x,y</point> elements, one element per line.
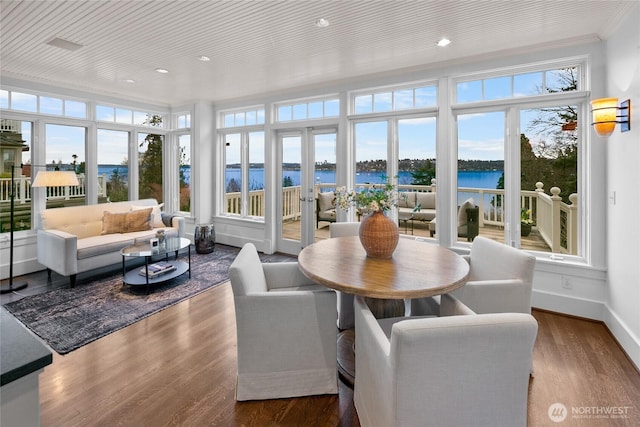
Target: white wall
<point>622,314</point>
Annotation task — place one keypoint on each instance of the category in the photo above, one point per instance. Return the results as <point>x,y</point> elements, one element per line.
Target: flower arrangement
<point>369,198</point>
<point>525,216</point>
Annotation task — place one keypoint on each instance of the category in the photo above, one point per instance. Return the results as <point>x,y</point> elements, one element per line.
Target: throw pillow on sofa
<point>156,221</point>
<point>139,220</point>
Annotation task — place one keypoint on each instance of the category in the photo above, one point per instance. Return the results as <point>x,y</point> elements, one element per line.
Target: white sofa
<point>408,200</point>
<point>76,239</point>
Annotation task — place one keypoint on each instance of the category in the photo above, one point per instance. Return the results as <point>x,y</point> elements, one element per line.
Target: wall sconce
<point>605,115</point>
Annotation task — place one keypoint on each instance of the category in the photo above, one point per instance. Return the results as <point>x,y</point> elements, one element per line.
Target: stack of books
<point>157,269</point>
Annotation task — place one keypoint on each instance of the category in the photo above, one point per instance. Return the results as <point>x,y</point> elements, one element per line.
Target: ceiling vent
<point>64,44</point>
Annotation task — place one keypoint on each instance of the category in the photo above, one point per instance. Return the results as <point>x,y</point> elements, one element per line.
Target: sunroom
<point>510,131</point>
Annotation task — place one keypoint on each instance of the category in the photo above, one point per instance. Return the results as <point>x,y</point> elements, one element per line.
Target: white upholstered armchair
<point>500,278</point>
<point>461,370</point>
<point>286,330</point>
<point>345,301</point>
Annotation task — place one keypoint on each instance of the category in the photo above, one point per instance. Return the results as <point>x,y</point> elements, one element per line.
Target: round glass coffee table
<point>160,271</point>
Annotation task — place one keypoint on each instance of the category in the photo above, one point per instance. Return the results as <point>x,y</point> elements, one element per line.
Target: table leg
<point>189,249</point>
<point>384,308</point>
<point>381,309</point>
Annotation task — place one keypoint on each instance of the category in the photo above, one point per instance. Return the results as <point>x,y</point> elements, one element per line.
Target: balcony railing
<point>556,221</point>
<point>61,196</point>
<point>23,189</point>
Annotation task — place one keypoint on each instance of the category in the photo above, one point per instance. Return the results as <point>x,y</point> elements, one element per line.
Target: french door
<point>307,166</point>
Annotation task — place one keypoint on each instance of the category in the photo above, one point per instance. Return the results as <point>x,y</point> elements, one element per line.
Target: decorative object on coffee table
<point>204,238</point>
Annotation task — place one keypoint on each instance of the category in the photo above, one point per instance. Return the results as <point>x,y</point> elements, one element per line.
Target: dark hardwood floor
<point>177,368</point>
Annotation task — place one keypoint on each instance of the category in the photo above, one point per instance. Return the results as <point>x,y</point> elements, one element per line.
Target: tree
<point>555,152</point>
<point>117,187</point>
<point>287,181</point>
<point>233,186</point>
<point>185,193</point>
<point>150,166</point>
<point>423,174</point>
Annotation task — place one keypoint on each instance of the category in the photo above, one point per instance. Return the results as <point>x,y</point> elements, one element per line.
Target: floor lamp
<point>43,179</point>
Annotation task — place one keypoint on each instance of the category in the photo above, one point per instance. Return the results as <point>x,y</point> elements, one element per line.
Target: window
<point>65,149</point>
<point>416,174</point>
<point>248,117</point>
<point>371,152</point>
<point>15,150</point>
<point>244,174</point>
<point>480,174</point>
<point>183,121</point>
<point>515,85</point>
<point>12,100</point>
<point>305,110</point>
<point>113,165</point>
<point>150,147</point>
<point>184,172</point>
<point>404,98</point>
<point>125,116</point>
<point>549,158</point>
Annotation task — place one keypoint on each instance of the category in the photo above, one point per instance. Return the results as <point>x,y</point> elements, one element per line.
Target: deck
<point>533,242</point>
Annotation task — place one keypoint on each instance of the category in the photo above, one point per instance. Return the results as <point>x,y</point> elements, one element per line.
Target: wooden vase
<point>379,235</point>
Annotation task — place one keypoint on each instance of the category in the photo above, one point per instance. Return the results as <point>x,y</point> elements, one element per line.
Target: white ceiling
<point>261,47</point>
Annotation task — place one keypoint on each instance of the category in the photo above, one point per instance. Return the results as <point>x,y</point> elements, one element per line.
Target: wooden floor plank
<point>178,366</point>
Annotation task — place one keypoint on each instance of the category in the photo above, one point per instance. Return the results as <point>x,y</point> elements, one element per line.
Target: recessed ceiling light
<point>443,42</point>
<point>131,81</point>
<point>322,23</point>
<point>203,58</point>
<point>162,70</point>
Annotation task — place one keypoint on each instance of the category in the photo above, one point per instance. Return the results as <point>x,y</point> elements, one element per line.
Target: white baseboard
<point>568,305</point>
<point>595,310</point>
<point>626,338</point>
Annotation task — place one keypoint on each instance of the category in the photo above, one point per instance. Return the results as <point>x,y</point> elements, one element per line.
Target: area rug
<point>67,319</point>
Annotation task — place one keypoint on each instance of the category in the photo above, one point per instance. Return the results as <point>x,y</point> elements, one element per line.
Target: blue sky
<point>480,136</point>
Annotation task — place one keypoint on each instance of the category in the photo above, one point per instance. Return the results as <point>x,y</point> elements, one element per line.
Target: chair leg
<point>72,280</point>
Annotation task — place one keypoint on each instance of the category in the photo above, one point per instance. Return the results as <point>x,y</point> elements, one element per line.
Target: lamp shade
<point>604,115</point>
<point>55,179</point>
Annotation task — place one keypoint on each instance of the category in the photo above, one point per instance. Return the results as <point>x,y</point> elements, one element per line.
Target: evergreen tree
<point>423,174</point>
<point>150,167</point>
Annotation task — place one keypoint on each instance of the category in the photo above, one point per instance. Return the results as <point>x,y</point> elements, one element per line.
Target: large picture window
<point>113,165</point>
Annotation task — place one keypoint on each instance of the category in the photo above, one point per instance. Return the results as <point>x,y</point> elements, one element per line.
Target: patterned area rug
<point>67,319</point>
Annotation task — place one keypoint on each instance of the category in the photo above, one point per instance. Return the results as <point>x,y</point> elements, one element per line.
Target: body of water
<point>473,179</point>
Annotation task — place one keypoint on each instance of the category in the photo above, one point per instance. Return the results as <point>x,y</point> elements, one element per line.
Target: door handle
<point>303,199</point>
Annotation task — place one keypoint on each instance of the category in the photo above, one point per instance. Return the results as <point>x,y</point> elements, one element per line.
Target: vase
<point>525,230</point>
<point>379,235</point>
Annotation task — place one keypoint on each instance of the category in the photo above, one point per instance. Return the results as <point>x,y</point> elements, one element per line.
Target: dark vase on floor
<point>204,238</point>
<point>525,229</point>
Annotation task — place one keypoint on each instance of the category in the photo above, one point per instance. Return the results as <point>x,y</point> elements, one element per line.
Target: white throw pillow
<point>156,221</point>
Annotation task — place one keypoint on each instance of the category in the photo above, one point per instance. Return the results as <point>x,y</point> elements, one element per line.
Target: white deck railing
<point>23,189</point>
<point>556,221</point>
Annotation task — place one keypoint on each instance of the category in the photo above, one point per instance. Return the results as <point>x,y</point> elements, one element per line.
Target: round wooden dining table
<point>416,270</point>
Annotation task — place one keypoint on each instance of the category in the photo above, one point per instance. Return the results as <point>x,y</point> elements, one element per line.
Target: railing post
<point>556,200</point>
<point>572,228</point>
<point>22,194</point>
